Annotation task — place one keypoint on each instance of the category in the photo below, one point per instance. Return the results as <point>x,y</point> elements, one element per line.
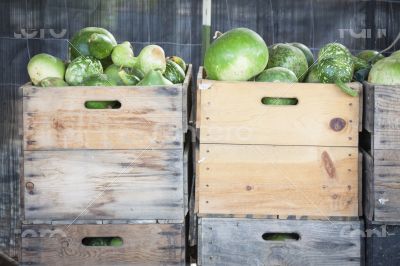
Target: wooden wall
<point>176,26</point>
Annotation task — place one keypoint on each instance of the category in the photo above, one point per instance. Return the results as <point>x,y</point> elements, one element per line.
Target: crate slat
<point>382,112</point>
<point>277,180</point>
<point>382,184</point>
<point>149,117</point>
<point>232,112</point>
<point>240,242</point>
<point>104,184</point>
<point>143,244</point>
<point>382,245</point>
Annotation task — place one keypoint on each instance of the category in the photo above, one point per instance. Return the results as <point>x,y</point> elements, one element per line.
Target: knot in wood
<point>337,124</point>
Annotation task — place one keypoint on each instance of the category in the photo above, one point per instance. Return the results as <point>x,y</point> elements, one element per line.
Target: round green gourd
<point>290,57</point>
<point>236,55</point>
<point>174,73</point>
<point>277,74</point>
<point>81,68</point>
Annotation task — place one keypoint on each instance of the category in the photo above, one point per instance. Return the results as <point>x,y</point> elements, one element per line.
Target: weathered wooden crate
<point>228,241</point>
<point>125,163</point>
<point>382,245</point>
<point>381,144</point>
<point>258,159</point>
<point>143,244</point>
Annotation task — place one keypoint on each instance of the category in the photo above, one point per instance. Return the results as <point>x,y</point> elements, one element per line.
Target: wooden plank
<point>113,221</point>
<point>143,244</point>
<point>198,96</point>
<point>240,242</point>
<point>10,157</point>
<point>104,184</point>
<point>199,241</point>
<point>282,217</point>
<point>360,182</point>
<point>232,112</point>
<point>360,107</point>
<point>382,245</point>
<point>192,235</point>
<point>148,117</point>
<point>386,125</point>
<point>185,179</point>
<point>278,180</point>
<point>186,96</point>
<point>196,176</point>
<point>369,107</point>
<point>368,185</point>
<point>386,184</point>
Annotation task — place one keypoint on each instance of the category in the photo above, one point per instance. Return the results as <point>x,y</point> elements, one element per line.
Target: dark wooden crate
<point>380,141</point>
<point>382,245</point>
<point>143,244</point>
<point>229,241</point>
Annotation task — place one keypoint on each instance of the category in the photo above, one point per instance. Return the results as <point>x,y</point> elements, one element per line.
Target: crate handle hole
<point>102,104</point>
<point>280,236</point>
<point>109,241</point>
<point>279,101</point>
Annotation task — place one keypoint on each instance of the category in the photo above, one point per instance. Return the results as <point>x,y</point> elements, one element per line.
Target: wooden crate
<point>382,245</point>
<point>125,163</point>
<point>143,244</point>
<point>381,144</point>
<point>228,241</point>
<point>300,160</point>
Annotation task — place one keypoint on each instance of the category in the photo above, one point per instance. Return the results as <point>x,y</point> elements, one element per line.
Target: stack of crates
<point>278,184</point>
<point>117,173</point>
<point>381,151</point>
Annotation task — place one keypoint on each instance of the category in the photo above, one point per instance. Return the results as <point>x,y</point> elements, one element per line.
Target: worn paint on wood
<point>382,112</point>
<point>143,244</point>
<point>101,184</point>
<point>382,185</point>
<point>149,117</point>
<point>277,180</point>
<point>232,112</point>
<point>240,242</point>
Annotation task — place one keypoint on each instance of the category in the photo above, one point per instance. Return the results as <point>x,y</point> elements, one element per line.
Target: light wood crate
<point>381,144</point>
<point>255,159</point>
<point>143,244</point>
<point>125,163</point>
<point>232,241</point>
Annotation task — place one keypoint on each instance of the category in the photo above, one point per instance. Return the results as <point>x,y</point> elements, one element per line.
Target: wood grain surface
<point>149,117</point>
<point>232,112</point>
<point>382,116</point>
<point>240,242</point>
<point>382,185</point>
<point>101,184</point>
<point>277,180</point>
<point>143,244</point>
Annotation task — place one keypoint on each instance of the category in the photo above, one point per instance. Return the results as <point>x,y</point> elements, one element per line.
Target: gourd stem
<point>346,89</point>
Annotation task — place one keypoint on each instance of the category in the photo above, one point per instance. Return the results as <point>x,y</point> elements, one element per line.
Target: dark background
<point>176,26</point>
